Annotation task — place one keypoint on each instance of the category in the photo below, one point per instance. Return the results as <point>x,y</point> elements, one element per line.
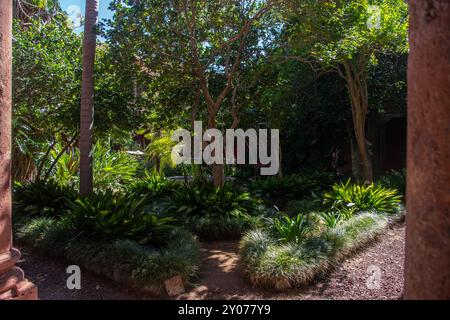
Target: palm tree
<point>87,97</point>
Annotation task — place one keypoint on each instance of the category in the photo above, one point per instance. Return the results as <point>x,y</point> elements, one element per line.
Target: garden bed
<point>142,235</point>
<point>141,267</point>
<point>271,263</point>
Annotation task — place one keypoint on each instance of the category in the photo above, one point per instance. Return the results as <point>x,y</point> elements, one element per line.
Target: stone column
<point>427,266</point>
<point>13,284</point>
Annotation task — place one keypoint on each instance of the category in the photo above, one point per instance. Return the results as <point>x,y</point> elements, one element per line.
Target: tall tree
<point>47,70</point>
<point>46,94</point>
<point>346,36</point>
<point>427,261</point>
<point>200,41</point>
<point>27,10</point>
<point>249,13</point>
<point>87,97</point>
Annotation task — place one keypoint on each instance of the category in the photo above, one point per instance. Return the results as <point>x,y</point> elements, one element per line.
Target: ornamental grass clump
<point>276,258</point>
<point>141,266</point>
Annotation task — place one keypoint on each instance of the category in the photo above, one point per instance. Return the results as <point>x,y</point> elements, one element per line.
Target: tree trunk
<point>217,169</point>
<point>354,154</point>
<point>13,284</point>
<point>218,175</point>
<point>427,263</point>
<point>280,170</point>
<point>87,97</point>
<point>356,78</point>
<point>366,163</point>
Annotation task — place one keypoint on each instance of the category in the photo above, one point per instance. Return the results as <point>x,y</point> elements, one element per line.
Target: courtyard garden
<point>140,228</point>
<point>195,149</point>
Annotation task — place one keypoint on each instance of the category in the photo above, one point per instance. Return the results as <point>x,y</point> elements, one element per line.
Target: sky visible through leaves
<point>69,5</point>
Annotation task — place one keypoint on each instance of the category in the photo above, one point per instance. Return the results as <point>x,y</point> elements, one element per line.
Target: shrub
<point>394,179</point>
<point>65,170</point>
<point>193,199</point>
<point>277,187</point>
<point>111,169</point>
<point>142,267</point>
<point>42,198</point>
<point>159,151</point>
<point>310,204</point>
<point>349,198</point>
<point>116,216</point>
<point>280,189</point>
<point>215,212</point>
<point>153,185</point>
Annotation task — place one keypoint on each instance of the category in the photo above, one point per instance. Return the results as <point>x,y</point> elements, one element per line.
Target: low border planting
<point>143,268</point>
<point>271,263</point>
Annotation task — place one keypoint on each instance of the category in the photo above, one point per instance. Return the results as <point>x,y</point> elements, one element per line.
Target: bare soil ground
<point>220,277</point>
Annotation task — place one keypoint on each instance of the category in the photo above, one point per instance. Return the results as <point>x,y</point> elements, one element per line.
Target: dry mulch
<point>220,278</point>
<point>50,277</point>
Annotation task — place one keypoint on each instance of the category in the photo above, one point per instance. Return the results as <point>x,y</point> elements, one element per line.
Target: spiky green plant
<point>115,216</point>
<point>350,197</point>
<point>288,229</point>
<point>215,213</point>
<point>331,219</point>
<point>42,198</point>
<point>112,169</point>
<point>290,186</point>
<point>153,184</point>
<point>203,199</point>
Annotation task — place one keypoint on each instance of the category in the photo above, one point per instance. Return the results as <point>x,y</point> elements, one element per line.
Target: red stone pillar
<point>427,266</point>
<point>13,284</point>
